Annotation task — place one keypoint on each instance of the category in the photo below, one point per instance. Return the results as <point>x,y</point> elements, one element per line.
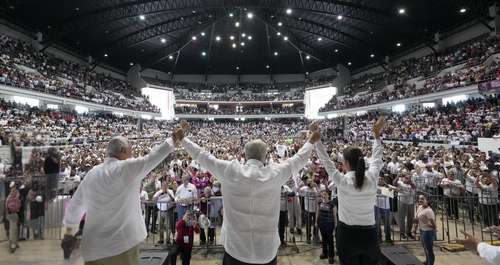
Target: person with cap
<point>109,197</point>
<point>251,197</point>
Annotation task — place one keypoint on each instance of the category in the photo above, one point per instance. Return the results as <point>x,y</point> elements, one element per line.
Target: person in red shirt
<point>186,227</point>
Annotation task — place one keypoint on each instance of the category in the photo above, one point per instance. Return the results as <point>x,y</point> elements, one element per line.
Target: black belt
<point>358,227</point>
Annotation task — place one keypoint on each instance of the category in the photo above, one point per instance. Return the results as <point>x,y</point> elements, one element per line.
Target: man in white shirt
<point>108,196</point>
<point>311,193</point>
<point>165,199</point>
<point>185,195</point>
<point>251,197</point>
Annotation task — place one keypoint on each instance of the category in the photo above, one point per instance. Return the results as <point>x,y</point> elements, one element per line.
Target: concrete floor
<point>48,252</point>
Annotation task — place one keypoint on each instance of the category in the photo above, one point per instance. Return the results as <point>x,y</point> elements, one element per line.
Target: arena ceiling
<point>270,36</point>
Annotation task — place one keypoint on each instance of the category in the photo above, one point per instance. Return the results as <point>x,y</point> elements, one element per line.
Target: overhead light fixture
<point>131,64</point>
<point>237,68</point>
<point>372,55</point>
<point>278,33</point>
<point>231,37</point>
<point>249,15</point>
<point>340,17</point>
<point>308,57</point>
<point>300,18</point>
<point>336,50</point>
<point>203,34</point>
<point>398,44</point>
<point>320,39</point>
<point>170,57</point>
<point>234,45</point>
<point>280,24</point>
<point>242,44</point>
<point>231,15</point>
<point>307,73</point>
<point>401,11</point>
<point>142,17</point>
<point>267,66</point>
<point>163,40</point>
<point>288,11</point>
<point>275,53</point>
<point>237,24</point>
<point>249,37</point>
<point>194,11</point>
<point>285,38</point>
<point>463,10</point>
<point>217,38</point>
<point>243,35</point>
<point>193,38</point>
<point>349,63</point>
<point>105,55</point>
<point>203,53</point>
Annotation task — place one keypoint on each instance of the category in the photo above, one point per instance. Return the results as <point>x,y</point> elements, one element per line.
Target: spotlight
<point>275,53</point>
<point>163,40</point>
<point>242,44</point>
<point>203,34</point>
<point>170,57</point>
<point>288,11</point>
<point>249,15</point>
<point>336,50</point>
<point>349,63</point>
<point>131,64</point>
<point>308,57</point>
<point>231,37</point>
<point>217,38</point>
<point>193,38</point>
<point>372,55</point>
<point>280,24</point>
<point>237,68</point>
<point>285,38</point>
<point>234,45</point>
<point>231,15</point>
<point>463,10</point>
<point>320,39</point>
<point>203,53</point>
<point>237,24</point>
<point>398,44</point>
<point>142,17</point>
<point>307,73</point>
<point>243,35</point>
<point>278,33</point>
<point>401,11</point>
<point>249,37</point>
<point>340,17</point>
<point>105,55</point>
<point>194,11</point>
<point>267,66</point>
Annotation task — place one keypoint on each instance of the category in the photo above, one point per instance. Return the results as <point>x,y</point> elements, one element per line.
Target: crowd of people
<point>21,65</point>
<point>237,95</point>
<point>256,109</point>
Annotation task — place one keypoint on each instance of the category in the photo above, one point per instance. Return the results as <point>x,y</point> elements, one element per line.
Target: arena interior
<point>74,75</point>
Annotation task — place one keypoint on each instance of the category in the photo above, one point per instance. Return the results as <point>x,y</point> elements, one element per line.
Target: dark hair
<point>354,157</point>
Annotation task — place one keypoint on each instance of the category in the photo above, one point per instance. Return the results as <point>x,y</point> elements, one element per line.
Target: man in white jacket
<point>108,195</point>
<point>251,197</point>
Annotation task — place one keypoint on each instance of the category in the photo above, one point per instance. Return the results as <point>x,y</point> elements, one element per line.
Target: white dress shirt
<point>164,200</point>
<point>489,253</point>
<point>251,201</point>
<point>108,195</point>
<point>355,206</point>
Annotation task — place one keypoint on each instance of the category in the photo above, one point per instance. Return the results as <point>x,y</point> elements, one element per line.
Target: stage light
<point>398,44</point>
<point>242,44</point>
<point>340,17</point>
<point>231,15</point>
<point>203,34</point>
<point>142,17</point>
<point>249,37</point>
<point>267,66</point>
<point>320,39</point>
<point>231,37</point>
<point>372,55</point>
<point>349,63</point>
<point>163,40</point>
<point>280,24</point>
<point>278,33</point>
<point>275,53</point>
<point>243,35</point>
<point>288,11</point>
<point>237,68</point>
<point>249,15</point>
<point>193,38</point>
<point>203,54</point>
<point>463,10</point>
<point>336,50</point>
<point>105,55</point>
<point>285,38</point>
<point>237,24</point>
<point>217,38</point>
<point>131,64</point>
<point>234,45</point>
<point>170,57</point>
<point>401,11</point>
<point>308,57</point>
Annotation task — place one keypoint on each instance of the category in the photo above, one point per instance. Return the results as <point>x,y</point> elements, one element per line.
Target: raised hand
<point>185,126</point>
<point>314,126</point>
<point>378,126</point>
<point>178,135</point>
<point>314,137</point>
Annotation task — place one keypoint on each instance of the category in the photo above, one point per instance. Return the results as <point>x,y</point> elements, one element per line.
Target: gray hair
<point>116,146</point>
<point>256,149</point>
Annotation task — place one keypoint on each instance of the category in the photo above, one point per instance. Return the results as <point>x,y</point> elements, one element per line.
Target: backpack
<point>13,204</point>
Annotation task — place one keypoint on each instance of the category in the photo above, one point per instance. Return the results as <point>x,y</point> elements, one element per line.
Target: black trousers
<point>451,207</point>
<point>357,245</point>
<point>203,236</point>
<point>281,225</point>
<point>228,260</point>
<point>326,226</point>
<point>151,213</point>
<point>311,221</point>
<point>185,254</point>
